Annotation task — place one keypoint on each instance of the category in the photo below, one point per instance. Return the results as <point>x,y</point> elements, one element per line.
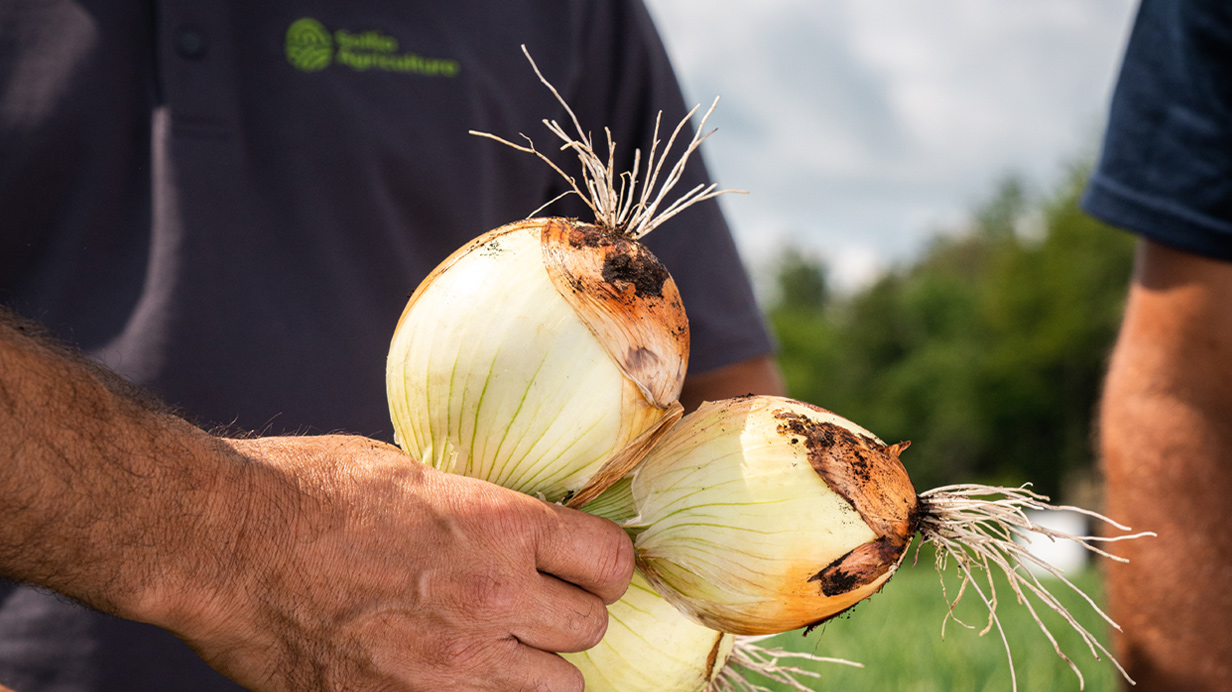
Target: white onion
<point>652,647</point>
<point>545,356</point>
<point>759,515</point>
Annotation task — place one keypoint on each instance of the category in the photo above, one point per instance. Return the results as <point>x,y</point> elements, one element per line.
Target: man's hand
<point>305,563</point>
<point>378,573</point>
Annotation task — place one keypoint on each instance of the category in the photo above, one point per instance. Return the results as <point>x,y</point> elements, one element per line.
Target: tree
<point>801,281</point>
<point>987,352</point>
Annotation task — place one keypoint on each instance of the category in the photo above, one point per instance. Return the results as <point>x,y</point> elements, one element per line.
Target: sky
<point>862,128</point>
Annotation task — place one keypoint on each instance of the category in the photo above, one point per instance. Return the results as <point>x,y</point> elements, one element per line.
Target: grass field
<point>897,636</point>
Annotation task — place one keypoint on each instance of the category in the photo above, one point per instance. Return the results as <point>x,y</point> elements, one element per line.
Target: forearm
<point>105,497</point>
<point>292,563</point>
<point>1168,470</point>
<point>1166,439</point>
<point>754,376</point>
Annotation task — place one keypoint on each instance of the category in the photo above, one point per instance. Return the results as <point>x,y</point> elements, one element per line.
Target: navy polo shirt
<point>1165,171</point>
<point>229,203</point>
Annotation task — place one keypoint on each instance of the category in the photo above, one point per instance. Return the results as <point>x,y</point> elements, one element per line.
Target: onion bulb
<point>651,647</point>
<point>804,514</point>
<point>545,356</point>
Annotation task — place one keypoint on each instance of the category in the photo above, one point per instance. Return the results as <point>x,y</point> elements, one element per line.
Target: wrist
<point>234,538</point>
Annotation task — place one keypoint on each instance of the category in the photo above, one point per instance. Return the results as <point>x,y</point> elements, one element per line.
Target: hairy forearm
<point>104,496</point>
<point>1167,452</point>
<point>291,563</point>
<point>1168,470</point>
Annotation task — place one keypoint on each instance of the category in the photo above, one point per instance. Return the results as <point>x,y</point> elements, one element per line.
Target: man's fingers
<point>561,617</point>
<point>532,669</point>
<point>591,552</point>
<point>453,661</point>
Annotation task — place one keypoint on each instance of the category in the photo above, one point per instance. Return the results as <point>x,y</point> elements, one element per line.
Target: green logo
<point>309,47</point>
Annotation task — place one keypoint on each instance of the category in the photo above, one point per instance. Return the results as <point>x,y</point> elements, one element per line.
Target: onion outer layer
<point>759,515</point>
<point>545,356</point>
<point>652,647</point>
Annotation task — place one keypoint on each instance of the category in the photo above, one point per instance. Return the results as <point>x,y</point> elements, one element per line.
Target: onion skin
<point>868,473</point>
<point>545,356</point>
<point>651,647</point>
<point>759,515</point>
<point>627,297</point>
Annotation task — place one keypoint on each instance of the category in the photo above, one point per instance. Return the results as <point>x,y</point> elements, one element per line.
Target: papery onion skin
<point>524,359</point>
<point>628,298</point>
<point>651,647</point>
<point>759,515</point>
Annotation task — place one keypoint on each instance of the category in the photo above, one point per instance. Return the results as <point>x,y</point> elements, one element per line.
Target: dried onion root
<point>748,657</point>
<point>619,205</point>
<point>975,527</point>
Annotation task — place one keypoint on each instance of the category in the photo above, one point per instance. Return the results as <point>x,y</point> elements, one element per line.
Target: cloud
<point>862,127</point>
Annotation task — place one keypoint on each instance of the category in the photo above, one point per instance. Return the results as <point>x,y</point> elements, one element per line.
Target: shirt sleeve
<point>1165,171</point>
<point>623,81</point>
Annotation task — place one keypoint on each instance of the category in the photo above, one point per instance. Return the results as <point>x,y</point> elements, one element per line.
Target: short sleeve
<point>1165,170</point>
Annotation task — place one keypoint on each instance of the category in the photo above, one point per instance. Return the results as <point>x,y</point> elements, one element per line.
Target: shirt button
<point>190,42</point>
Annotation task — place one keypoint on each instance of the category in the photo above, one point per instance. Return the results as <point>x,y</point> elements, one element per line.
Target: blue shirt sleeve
<point>1165,171</point>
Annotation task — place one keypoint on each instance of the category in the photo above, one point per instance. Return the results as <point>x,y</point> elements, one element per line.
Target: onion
<point>548,355</point>
<point>544,356</point>
<point>651,647</point>
<point>760,514</point>
<point>816,511</point>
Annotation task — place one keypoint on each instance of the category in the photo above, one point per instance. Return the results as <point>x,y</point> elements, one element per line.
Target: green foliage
<point>987,352</point>
<point>801,281</point>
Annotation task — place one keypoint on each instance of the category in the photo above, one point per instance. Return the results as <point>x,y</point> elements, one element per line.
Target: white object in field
<point>1067,556</point>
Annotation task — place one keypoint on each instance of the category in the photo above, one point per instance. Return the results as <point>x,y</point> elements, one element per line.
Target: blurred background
<point>914,235</point>
<point>912,225</point>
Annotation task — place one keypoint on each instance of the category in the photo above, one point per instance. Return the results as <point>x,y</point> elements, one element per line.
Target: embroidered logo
<point>310,47</point>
